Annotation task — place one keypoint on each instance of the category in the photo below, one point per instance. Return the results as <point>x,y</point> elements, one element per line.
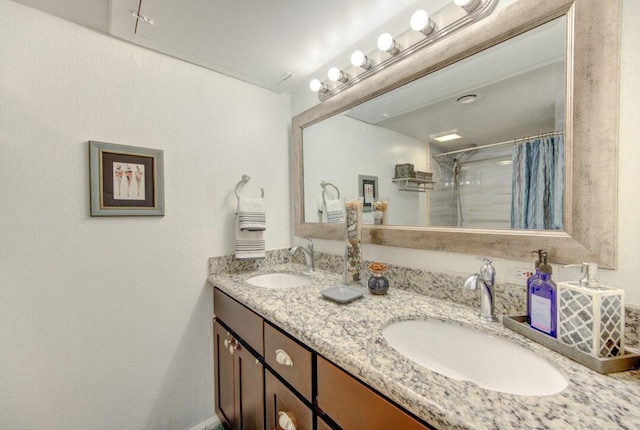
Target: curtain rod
<point>506,142</point>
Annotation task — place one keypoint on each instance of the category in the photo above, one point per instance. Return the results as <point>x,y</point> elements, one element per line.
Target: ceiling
<point>275,44</point>
<point>281,45</point>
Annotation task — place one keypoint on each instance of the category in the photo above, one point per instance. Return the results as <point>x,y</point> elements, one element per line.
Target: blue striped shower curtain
<point>537,188</point>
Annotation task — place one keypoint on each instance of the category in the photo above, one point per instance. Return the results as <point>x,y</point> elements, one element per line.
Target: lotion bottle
<point>591,315</point>
<point>543,301</point>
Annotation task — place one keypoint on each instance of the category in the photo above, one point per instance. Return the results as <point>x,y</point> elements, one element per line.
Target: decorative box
<point>591,319</point>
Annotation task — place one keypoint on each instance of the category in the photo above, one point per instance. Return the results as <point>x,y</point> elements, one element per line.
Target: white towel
<point>335,211</point>
<point>251,215</point>
<point>250,245</point>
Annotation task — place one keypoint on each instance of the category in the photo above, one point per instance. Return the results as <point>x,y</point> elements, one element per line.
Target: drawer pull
<point>283,358</point>
<point>284,422</point>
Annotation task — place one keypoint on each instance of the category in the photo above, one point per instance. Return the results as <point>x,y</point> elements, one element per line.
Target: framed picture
<point>368,188</point>
<point>126,180</point>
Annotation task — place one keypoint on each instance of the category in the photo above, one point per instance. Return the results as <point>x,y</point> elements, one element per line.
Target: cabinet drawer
<point>246,323</point>
<point>280,400</point>
<point>278,348</point>
<point>353,405</point>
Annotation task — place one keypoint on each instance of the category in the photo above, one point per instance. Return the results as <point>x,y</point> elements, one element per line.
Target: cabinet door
<point>239,383</point>
<point>249,378</point>
<point>354,406</point>
<point>223,374</point>
<point>322,425</point>
<point>283,406</point>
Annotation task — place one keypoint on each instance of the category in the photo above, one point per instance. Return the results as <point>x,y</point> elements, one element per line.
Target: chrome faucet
<point>308,254</point>
<point>486,278</point>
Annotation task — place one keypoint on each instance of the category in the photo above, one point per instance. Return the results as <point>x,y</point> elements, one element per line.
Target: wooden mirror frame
<point>591,136</point>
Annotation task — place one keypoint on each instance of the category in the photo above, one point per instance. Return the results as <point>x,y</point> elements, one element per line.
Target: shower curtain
<point>537,188</point>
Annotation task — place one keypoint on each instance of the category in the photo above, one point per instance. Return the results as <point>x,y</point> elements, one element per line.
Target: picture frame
<point>368,189</point>
<point>125,180</point>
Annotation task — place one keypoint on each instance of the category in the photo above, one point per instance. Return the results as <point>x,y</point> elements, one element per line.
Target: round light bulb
<point>385,42</point>
<point>315,85</point>
<point>419,20</point>
<point>336,75</point>
<point>467,5</point>
<point>358,59</point>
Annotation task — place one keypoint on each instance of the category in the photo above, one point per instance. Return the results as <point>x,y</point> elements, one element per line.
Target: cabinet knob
<point>283,358</point>
<point>233,345</point>
<point>285,422</point>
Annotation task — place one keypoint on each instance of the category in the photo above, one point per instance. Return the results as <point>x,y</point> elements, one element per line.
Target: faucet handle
<point>487,271</point>
<point>310,244</point>
<point>487,260</point>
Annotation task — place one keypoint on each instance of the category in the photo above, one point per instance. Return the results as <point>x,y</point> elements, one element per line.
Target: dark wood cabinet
<point>238,368</point>
<point>353,405</point>
<point>239,383</point>
<point>283,407</point>
<point>265,379</point>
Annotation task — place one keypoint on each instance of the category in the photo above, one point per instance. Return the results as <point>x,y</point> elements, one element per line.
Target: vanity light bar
<point>338,80</point>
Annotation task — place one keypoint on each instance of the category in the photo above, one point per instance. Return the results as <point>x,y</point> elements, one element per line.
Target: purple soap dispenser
<point>543,300</point>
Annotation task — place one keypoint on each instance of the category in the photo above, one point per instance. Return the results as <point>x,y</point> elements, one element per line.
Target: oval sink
<point>465,354</point>
<point>279,280</point>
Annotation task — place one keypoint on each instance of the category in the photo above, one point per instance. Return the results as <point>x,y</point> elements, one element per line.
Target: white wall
<point>628,197</point>
<point>329,156</point>
<point>105,323</point>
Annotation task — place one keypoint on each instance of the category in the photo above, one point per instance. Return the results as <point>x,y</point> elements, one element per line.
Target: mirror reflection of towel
<point>335,211</point>
<point>251,215</point>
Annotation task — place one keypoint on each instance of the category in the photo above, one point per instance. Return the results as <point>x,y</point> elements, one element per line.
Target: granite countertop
<point>350,335</point>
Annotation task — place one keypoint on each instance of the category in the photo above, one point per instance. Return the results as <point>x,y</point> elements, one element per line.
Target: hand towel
<point>335,211</point>
<point>251,215</point>
<point>250,245</point>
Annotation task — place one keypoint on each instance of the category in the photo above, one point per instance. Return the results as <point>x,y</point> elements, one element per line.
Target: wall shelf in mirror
<point>413,184</point>
<point>586,108</point>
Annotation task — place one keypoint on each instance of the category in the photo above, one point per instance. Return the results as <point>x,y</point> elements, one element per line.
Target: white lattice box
<point>591,319</point>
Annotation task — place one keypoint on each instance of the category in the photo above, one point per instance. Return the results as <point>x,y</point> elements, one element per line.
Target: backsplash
<point>510,298</point>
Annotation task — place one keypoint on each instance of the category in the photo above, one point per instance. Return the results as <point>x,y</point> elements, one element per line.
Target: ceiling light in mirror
<point>420,21</point>
<point>445,136</point>
<point>466,99</point>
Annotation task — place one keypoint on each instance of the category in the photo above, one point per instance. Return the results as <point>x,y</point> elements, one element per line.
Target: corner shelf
<point>413,184</point>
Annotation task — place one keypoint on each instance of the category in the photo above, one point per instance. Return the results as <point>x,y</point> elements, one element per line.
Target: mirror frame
<point>591,136</point>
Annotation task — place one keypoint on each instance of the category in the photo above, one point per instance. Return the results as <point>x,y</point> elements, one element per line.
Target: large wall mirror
<point>536,79</point>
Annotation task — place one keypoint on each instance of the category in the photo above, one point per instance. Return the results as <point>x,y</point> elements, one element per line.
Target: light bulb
<point>358,59</point>
<point>336,75</point>
<point>468,5</point>
<point>316,85</point>
<point>386,43</point>
<point>420,21</point>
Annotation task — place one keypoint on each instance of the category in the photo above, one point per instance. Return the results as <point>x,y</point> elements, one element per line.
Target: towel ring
<point>324,186</point>
<point>244,180</point>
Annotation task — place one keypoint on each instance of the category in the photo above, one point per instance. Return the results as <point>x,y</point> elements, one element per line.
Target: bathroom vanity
<point>300,386</point>
<point>346,375</point>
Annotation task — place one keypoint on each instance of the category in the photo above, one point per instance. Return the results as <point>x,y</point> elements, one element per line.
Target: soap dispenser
<point>530,279</point>
<point>542,298</point>
<point>590,315</point>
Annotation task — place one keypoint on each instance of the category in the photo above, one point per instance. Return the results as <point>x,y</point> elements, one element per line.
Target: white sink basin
<point>468,355</point>
<point>279,280</point>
